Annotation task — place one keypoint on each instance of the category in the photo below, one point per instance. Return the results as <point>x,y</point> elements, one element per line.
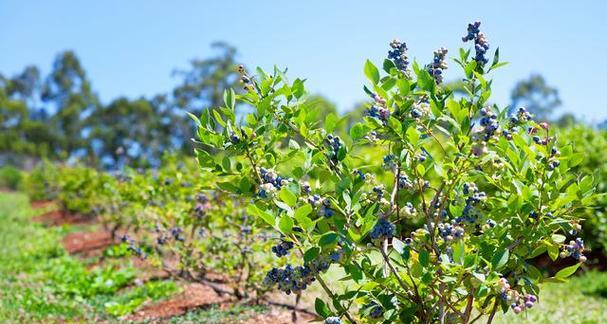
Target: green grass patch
<point>40,282</point>
<point>580,300</point>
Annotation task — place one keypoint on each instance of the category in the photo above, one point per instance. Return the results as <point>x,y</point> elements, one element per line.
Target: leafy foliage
<point>439,229</point>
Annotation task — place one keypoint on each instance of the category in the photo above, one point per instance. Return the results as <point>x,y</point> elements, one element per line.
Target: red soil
<point>84,242</point>
<point>57,217</point>
<point>42,203</point>
<point>193,296</point>
<point>278,316</point>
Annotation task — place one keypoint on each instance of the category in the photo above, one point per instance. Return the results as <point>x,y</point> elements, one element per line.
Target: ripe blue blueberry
<point>398,55</point>
<point>481,45</point>
<point>383,229</point>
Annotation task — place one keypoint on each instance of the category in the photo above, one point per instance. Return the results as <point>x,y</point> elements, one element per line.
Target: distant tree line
<point>60,117</point>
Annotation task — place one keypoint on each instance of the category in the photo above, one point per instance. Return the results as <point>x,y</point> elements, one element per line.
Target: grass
<point>581,300</point>
<point>40,282</point>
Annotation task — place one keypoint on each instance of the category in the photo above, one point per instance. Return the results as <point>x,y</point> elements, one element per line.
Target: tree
<point>535,95</point>
<point>203,84</point>
<point>68,91</point>
<point>133,131</point>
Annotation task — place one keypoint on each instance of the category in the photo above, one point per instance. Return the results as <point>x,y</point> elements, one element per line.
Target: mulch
<point>275,315</point>
<point>194,296</point>
<point>84,242</point>
<point>37,204</point>
<point>59,217</point>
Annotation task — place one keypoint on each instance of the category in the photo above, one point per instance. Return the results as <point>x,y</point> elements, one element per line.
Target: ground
<point>40,281</point>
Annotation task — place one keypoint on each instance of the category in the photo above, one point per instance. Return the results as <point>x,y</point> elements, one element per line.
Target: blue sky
<point>131,47</point>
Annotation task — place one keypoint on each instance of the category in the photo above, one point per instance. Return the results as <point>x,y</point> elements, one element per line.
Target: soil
<point>194,296</point>
<point>147,272</point>
<point>86,242</point>
<point>58,217</point>
<point>275,316</point>
<point>36,204</point>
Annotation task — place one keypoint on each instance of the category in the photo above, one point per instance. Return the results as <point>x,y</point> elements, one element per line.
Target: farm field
<point>42,282</point>
<point>410,165</point>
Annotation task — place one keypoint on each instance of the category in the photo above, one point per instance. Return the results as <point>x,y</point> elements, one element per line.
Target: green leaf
<point>303,211</point>
<point>328,239</point>
<point>267,217</point>
<point>388,65</point>
<point>285,224</point>
<point>558,238</point>
<point>500,259</point>
<point>371,72</point>
<point>459,252</point>
<point>287,196</point>
<point>321,308</point>
<point>229,98</point>
<point>567,272</point>
<point>424,258</point>
<point>553,251</point>
<point>311,254</point>
<point>358,131</point>
<point>331,122</point>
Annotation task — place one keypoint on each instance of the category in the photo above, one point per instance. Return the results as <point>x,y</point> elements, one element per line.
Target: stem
<point>332,296</point>
<point>394,272</point>
<point>324,285</point>
<point>490,320</point>
<point>468,311</point>
<point>253,164</point>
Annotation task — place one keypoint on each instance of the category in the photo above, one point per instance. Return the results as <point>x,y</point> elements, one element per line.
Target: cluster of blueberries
<point>120,176</point>
<point>438,65</point>
<point>574,249</point>
<point>282,248</point>
<point>333,320</point>
<point>379,112</point>
<point>450,232</point>
<point>133,246</point>
<point>383,229</point>
<point>521,116</point>
<point>379,191</point>
<point>481,45</point>
<point>398,55</point>
<point>295,279</point>
<point>554,163</point>
<point>475,196</point>
<point>335,144</point>
<point>389,161</point>
<point>234,139</point>
<point>518,302</point>
<point>175,233</point>
<point>376,311</point>
<point>200,210</point>
<point>372,136</point>
<point>305,187</point>
<point>271,182</point>
<point>408,209</point>
<point>404,182</point>
<point>489,122</point>
<point>361,175</point>
<point>325,205</point>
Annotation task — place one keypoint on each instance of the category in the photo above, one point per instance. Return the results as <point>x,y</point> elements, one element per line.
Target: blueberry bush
<point>172,217</point>
<point>590,145</point>
<point>432,205</point>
